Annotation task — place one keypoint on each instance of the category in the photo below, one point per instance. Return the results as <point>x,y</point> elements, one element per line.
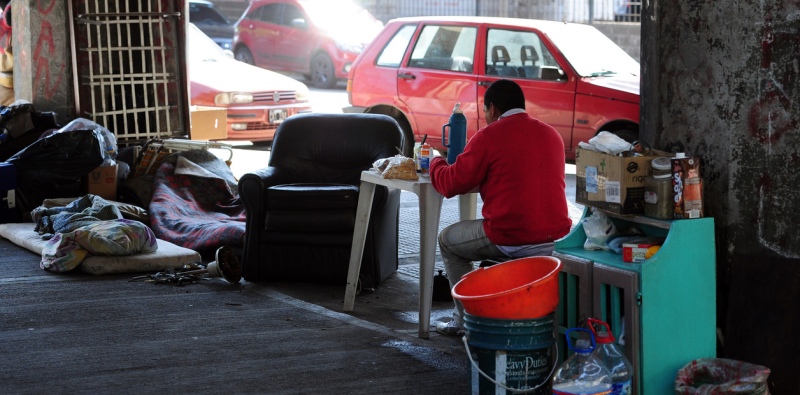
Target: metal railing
<point>580,11</point>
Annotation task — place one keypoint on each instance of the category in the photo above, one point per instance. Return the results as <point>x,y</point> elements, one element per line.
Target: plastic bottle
<point>582,373</point>
<point>417,148</point>
<point>457,139</point>
<point>610,354</point>
<point>425,159</point>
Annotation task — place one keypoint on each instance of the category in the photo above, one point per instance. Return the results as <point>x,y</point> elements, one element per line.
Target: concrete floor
<point>77,333</point>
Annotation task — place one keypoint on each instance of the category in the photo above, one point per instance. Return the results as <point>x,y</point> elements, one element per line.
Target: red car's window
<point>291,13</point>
<point>518,54</point>
<point>392,53</point>
<point>270,13</point>
<point>445,48</point>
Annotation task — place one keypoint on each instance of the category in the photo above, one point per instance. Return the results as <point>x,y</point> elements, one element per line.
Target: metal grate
<point>274,97</point>
<point>616,301</point>
<point>129,67</point>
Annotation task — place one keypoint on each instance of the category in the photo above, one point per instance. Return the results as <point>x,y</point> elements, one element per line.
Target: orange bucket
<point>524,288</point>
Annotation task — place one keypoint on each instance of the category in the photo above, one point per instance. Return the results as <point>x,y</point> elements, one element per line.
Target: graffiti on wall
<point>777,110</point>
<point>47,80</point>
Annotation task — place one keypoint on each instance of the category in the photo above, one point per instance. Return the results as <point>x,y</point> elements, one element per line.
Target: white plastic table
<point>430,207</point>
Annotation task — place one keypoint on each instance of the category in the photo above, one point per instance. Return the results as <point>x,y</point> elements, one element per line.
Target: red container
<point>524,288</point>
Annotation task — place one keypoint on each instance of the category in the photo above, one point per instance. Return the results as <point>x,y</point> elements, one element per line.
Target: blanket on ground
<point>80,212</point>
<point>195,203</point>
<point>89,225</point>
<point>114,237</point>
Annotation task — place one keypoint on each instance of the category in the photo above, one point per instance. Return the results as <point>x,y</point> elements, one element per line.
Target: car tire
<point>322,73</point>
<point>244,55</point>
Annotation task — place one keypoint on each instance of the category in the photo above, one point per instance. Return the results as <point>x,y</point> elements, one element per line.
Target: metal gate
<point>129,67</point>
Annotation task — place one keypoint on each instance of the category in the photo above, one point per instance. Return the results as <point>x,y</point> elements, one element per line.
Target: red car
<point>574,77</point>
<point>257,100</point>
<point>317,38</point>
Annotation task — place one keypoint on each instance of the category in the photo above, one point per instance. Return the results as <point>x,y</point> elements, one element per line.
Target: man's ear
<point>495,112</point>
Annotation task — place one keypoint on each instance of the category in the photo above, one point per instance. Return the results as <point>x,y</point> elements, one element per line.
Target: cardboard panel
<point>102,182</point>
<point>208,123</point>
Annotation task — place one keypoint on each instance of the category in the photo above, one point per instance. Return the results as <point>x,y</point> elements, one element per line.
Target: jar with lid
<point>658,191</point>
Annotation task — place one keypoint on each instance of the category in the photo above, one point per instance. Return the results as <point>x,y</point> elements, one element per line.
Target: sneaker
<point>450,328</point>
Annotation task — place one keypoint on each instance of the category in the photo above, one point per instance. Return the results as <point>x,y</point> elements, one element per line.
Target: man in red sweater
<point>517,164</point>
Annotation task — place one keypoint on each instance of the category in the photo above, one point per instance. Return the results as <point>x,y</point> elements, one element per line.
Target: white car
<point>257,100</point>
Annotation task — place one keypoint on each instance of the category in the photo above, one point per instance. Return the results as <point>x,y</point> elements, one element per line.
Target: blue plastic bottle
<point>457,138</point>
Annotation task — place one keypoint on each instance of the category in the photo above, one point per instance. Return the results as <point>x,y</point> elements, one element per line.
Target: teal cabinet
<point>664,308</point>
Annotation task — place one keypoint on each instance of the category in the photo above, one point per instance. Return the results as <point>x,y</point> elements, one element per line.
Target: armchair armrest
<point>253,191</point>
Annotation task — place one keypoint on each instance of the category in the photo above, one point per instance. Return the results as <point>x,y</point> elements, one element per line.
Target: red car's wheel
<point>322,73</point>
<point>244,55</point>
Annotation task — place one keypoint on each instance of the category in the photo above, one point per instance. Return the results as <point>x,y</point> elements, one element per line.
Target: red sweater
<point>517,163</point>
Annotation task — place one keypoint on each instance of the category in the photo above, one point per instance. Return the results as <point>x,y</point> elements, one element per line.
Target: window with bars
<point>129,68</point>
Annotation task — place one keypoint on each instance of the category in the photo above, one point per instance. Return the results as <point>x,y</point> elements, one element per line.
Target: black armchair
<point>301,208</point>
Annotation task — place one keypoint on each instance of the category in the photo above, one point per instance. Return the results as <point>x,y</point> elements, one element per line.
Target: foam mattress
<point>166,257</point>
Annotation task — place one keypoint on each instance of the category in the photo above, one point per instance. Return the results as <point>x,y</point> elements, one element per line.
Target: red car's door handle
<point>406,76</point>
<point>485,83</point>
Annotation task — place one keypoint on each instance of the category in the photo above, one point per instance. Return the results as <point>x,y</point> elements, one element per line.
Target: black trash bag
<point>20,125</point>
<point>15,120</point>
<point>718,376</point>
<point>56,166</point>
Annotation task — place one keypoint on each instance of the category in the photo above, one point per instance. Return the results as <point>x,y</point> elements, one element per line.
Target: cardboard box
<point>612,183</point>
<point>208,123</point>
<point>638,252</point>
<point>102,182</point>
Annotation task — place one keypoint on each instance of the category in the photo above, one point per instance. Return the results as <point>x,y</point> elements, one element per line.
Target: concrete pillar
<point>42,56</point>
<point>721,80</point>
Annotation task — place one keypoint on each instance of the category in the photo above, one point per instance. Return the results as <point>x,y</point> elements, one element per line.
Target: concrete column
<point>42,56</point>
<point>721,80</point>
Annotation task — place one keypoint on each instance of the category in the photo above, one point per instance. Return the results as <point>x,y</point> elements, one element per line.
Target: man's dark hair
<point>504,95</point>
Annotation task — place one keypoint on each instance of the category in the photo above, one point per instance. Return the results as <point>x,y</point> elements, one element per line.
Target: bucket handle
<point>514,390</point>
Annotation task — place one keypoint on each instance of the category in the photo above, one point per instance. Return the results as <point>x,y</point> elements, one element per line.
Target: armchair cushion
<point>331,207</point>
<point>312,197</point>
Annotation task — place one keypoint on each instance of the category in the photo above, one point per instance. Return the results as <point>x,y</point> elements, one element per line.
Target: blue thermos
<point>457,138</point>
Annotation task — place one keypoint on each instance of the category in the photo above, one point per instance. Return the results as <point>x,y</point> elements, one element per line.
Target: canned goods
<point>659,195</point>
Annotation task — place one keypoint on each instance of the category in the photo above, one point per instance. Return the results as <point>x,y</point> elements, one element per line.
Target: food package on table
<point>397,167</point>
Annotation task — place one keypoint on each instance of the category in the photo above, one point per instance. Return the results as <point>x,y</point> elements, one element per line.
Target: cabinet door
<point>616,301</point>
<point>575,297</point>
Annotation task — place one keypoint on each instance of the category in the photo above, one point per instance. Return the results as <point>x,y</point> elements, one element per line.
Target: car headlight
<point>228,98</point>
<point>302,94</point>
<point>349,47</point>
